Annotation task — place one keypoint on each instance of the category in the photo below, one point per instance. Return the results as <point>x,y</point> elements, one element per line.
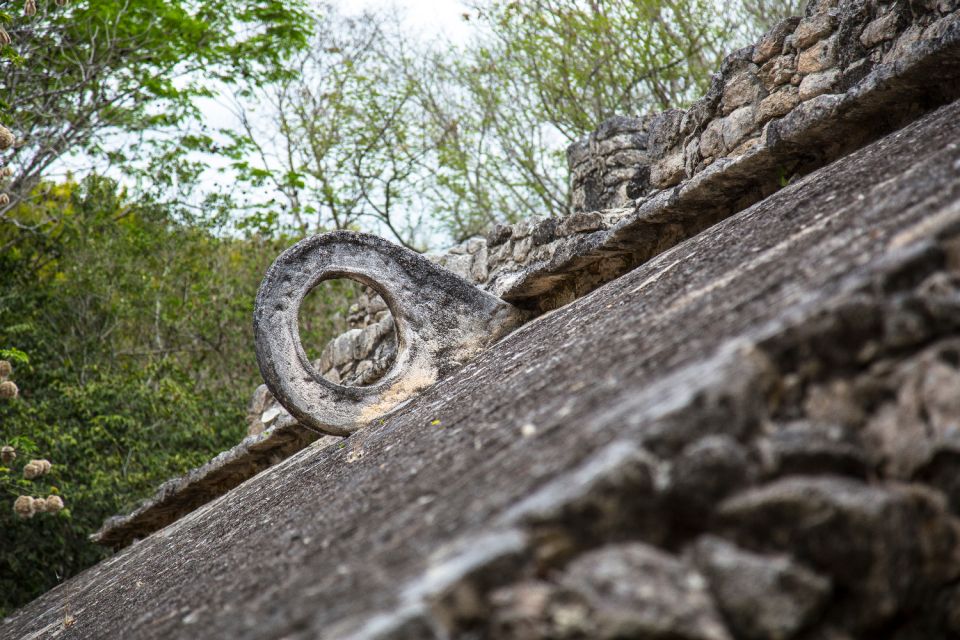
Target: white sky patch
<point>432,18</point>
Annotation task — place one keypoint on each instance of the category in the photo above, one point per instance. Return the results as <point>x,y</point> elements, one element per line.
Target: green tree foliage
<point>339,140</point>
<point>136,321</point>
<point>120,81</point>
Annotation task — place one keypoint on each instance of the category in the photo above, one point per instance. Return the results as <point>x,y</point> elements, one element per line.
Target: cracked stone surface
<point>496,501</point>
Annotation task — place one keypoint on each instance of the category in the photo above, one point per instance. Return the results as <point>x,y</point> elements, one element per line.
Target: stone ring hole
<point>347,332</point>
<point>439,322</point>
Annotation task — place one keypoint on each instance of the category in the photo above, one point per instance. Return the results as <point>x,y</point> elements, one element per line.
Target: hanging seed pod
<point>6,172</point>
<point>7,138</point>
<point>23,507</point>
<point>5,368</point>
<point>7,454</point>
<point>4,199</point>
<point>31,471</point>
<point>8,390</point>
<point>53,504</point>
<point>30,8</point>
<point>4,37</point>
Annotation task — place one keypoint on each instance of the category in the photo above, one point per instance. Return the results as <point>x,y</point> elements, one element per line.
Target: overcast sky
<point>433,17</point>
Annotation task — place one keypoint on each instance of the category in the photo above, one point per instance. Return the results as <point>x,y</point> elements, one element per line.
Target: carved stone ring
<point>441,322</point>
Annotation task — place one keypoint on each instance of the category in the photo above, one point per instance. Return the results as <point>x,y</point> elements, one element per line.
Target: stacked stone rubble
<point>828,51</point>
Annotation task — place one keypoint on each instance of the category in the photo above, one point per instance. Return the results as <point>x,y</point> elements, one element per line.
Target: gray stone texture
<point>441,321</point>
<point>468,512</point>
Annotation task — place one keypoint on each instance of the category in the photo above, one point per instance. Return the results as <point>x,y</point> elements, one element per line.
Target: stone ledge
<point>891,95</point>
<point>180,496</point>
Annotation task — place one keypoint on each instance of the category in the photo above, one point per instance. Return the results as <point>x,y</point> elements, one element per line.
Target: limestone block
<point>479,269</point>
<point>499,234</point>
<point>880,30</point>
<point>473,245</point>
<point>772,42</point>
<point>744,146</point>
<point>778,104</point>
<point>616,176</point>
<point>639,591</point>
<point>667,172</point>
<point>762,596</point>
<point>873,530</point>
<point>741,89</point>
<point>366,342</point>
<point>343,347</point>
<point>778,71</point>
<point>617,143</point>
<point>521,249</point>
<point>617,125</point>
<point>664,134</point>
<point>939,28</point>
<point>711,141</point>
<point>819,7</point>
<point>626,158</point>
<point>582,222</point>
<point>811,30</point>
<point>906,40</point>
<point>738,126</point>
<point>818,83</point>
<point>819,57</point>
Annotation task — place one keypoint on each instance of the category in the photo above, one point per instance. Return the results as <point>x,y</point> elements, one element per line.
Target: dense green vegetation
<point>125,301</point>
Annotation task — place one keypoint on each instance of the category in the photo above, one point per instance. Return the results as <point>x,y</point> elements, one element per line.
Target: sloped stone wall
<point>809,91</point>
<point>827,52</point>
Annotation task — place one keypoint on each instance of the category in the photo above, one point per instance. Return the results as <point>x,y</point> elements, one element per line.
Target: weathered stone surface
<point>738,324</point>
<point>921,414</point>
<point>834,49</point>
<point>558,269</point>
<point>743,88</point>
<point>737,126</point>
<point>819,57</point>
<point>771,44</point>
<point>439,326</point>
<point>180,496</point>
<point>778,71</point>
<point>809,448</point>
<point>637,591</point>
<point>762,596</point>
<point>813,29</point>
<point>778,103</point>
<point>881,29</point>
<point>886,546</point>
<point>817,84</point>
